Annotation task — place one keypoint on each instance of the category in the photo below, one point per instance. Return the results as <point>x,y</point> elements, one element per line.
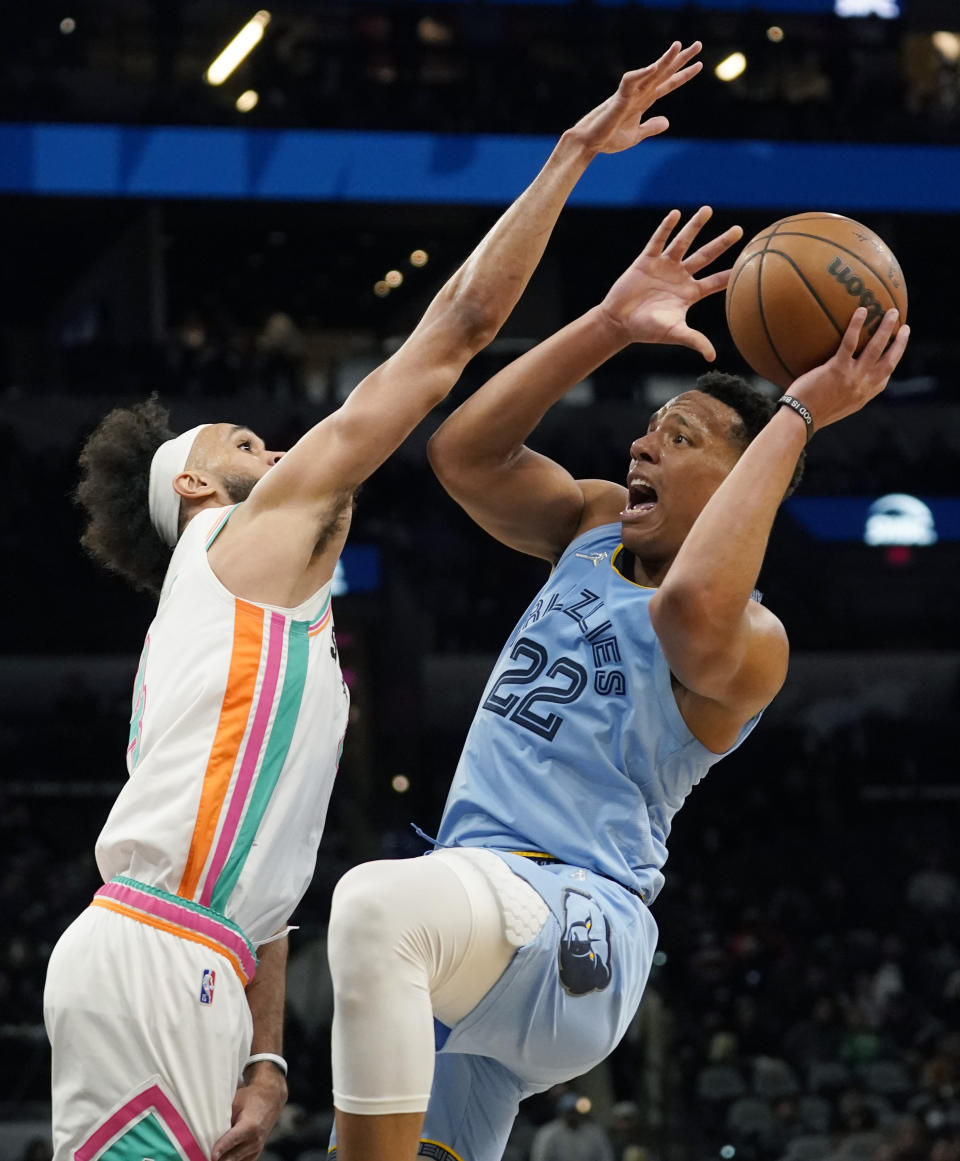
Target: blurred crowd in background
<point>806,993</point>
<point>479,67</point>
<point>805,1001</point>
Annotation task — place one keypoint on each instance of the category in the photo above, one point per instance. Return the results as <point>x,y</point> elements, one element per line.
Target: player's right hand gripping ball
<point>796,284</point>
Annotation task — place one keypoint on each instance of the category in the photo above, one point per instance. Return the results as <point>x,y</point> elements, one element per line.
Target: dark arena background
<point>249,250</point>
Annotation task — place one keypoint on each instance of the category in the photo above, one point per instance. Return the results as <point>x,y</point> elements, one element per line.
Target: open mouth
<point>642,496</point>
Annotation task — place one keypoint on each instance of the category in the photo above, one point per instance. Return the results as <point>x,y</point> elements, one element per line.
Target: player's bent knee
<point>365,927</point>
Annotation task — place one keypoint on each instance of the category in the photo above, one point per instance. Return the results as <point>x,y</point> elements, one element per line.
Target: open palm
<point>651,298</point>
<point>618,123</point>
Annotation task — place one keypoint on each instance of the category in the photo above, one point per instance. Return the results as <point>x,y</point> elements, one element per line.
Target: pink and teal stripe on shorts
<point>179,917</point>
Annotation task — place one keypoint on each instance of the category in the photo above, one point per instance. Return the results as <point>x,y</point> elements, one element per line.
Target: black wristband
<point>798,407</point>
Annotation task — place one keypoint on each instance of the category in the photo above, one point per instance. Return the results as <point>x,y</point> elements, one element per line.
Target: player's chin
<point>640,530</point>
<point>640,519</point>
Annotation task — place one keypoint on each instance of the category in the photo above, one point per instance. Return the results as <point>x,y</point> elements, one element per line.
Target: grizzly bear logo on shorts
<point>584,956</point>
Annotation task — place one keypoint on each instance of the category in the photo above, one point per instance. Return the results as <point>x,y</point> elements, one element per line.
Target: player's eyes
<point>245,445</point>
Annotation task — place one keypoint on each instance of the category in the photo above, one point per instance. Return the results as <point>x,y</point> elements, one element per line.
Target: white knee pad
<point>410,939</point>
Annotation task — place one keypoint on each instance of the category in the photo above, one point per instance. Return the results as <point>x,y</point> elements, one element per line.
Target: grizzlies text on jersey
<point>579,749</point>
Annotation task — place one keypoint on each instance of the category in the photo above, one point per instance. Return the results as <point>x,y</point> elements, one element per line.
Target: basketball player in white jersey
<point>164,998</point>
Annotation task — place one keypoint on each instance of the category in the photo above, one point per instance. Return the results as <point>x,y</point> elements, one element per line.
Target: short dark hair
<point>113,491</point>
<point>753,408</point>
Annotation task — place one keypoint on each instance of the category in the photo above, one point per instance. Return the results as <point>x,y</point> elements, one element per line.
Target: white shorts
<point>148,1046</point>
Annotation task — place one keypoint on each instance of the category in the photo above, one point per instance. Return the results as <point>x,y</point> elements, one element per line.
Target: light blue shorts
<point>562,1005</point>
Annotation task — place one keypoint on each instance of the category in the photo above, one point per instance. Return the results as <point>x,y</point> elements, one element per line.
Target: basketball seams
<point>795,219</point>
<point>763,317</point>
<point>799,273</point>
<point>775,228</point>
<point>736,279</point>
<point>840,246</point>
<point>848,258</point>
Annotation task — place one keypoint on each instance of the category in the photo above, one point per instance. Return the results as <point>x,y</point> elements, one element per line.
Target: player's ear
<point>194,485</point>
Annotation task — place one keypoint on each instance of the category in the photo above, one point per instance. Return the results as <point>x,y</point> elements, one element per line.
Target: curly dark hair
<point>753,407</point>
<point>113,487</point>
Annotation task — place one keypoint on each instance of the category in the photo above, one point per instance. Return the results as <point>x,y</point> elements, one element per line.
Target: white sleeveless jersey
<point>239,713</point>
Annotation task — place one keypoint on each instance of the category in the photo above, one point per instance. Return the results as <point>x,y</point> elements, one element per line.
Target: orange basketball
<point>796,284</point>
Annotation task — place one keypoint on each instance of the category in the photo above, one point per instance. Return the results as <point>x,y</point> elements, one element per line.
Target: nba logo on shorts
<point>207,981</point>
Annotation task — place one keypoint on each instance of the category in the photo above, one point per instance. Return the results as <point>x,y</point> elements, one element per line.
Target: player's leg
<point>472,1109</point>
<point>572,989</point>
<point>139,1060</point>
<point>409,940</point>
<point>473,1105</point>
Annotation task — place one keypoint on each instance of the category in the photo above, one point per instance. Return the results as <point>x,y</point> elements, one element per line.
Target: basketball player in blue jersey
<point>169,987</point>
<point>521,946</point>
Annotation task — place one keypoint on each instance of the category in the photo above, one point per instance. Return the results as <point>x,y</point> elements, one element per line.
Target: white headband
<point>168,462</point>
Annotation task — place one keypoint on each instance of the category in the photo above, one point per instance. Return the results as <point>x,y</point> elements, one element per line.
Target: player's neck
<point>647,573</point>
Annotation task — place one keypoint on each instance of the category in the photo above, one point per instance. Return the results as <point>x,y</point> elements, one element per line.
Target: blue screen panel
<point>894,519</point>
<point>358,570</point>
<point>468,169</point>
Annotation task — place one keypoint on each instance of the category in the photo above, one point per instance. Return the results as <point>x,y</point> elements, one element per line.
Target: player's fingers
<point>851,336</point>
<point>652,127</point>
<point>714,283</point>
<point>675,59</point>
<point>630,80</point>
<point>658,239</point>
<point>669,58</point>
<point>683,57</point>
<point>881,336</point>
<point>245,1151</point>
<point>239,1138</point>
<point>697,341</point>
<point>243,1146</point>
<point>679,79</point>
<point>684,239</point>
<point>711,251</point>
<point>894,353</point>
<point>224,1145</point>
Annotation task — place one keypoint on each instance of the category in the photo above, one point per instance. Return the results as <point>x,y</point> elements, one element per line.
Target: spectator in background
<point>817,1036</point>
<point>37,1149</point>
<point>281,350</point>
<point>625,1129</point>
<point>571,1136</point>
<point>934,889</point>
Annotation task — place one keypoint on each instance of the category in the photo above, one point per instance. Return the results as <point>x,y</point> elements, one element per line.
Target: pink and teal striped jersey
<point>239,713</point>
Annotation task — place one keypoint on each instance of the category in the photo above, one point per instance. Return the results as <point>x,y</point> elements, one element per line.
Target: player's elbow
<point>445,454</point>
<point>472,315</point>
<point>437,454</point>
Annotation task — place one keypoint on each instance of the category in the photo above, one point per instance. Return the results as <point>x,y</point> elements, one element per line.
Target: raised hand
<point>618,123</point>
<point>847,381</point>
<point>651,298</point>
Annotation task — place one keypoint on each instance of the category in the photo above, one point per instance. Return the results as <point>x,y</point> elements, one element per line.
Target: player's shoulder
<point>603,501</point>
<point>604,496</point>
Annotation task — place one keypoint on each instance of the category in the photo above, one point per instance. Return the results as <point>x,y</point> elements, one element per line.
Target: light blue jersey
<point>578,751</point>
<point>578,748</point>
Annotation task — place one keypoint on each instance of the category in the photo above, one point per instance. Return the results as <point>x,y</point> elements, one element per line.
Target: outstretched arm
<point>520,497</point>
<point>728,653</point>
<point>340,452</point>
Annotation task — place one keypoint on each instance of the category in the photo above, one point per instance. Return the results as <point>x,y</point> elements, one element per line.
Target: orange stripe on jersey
<point>172,929</point>
<point>234,712</point>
